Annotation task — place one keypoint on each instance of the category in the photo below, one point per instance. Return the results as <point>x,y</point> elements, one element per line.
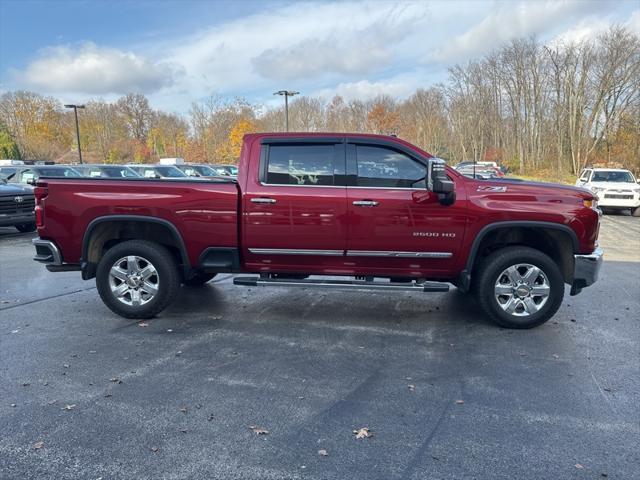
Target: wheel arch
<point>108,230</point>
<point>543,236</point>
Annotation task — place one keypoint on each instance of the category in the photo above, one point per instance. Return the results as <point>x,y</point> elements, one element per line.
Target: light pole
<point>75,111</point>
<point>286,94</point>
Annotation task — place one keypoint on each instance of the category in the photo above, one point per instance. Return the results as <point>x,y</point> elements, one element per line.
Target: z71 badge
<point>491,188</point>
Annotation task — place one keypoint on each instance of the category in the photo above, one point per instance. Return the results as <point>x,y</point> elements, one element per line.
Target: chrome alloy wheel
<point>133,280</point>
<point>522,290</point>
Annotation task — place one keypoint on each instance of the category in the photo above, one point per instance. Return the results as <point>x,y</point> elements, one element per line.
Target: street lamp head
<point>287,93</point>
<point>73,106</point>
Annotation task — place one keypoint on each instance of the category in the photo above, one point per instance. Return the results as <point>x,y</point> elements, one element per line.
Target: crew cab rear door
<point>396,226</point>
<point>295,207</point>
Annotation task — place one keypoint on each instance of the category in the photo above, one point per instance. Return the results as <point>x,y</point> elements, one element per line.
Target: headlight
<point>597,189</point>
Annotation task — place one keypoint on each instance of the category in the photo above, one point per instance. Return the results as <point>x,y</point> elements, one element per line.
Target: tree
<point>8,147</point>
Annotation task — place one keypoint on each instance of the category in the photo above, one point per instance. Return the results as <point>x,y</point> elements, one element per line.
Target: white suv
<point>616,188</point>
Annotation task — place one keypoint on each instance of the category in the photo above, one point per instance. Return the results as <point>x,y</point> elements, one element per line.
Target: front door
<point>295,209</point>
<point>397,227</point>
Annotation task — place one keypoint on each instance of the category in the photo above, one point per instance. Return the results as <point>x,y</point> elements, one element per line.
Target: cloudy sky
<point>176,52</point>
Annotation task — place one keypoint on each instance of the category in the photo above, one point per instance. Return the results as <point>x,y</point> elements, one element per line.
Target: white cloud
<point>509,21</point>
<point>90,69</point>
<point>399,87</point>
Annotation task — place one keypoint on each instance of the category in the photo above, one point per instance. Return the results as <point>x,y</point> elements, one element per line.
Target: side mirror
<point>31,181</point>
<point>438,181</point>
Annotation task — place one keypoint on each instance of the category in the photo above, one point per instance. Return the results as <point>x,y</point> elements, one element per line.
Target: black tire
<point>635,212</point>
<point>199,279</point>
<point>167,278</point>
<point>26,227</point>
<point>490,273</point>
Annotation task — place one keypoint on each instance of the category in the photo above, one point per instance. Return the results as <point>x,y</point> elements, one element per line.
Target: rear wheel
<point>519,287</point>
<point>199,279</point>
<point>137,279</point>
<point>26,227</point>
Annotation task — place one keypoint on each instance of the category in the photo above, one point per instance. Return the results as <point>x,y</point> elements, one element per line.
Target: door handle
<point>365,203</point>
<point>263,200</point>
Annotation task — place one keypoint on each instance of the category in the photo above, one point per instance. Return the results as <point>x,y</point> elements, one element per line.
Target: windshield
<point>621,176</point>
<point>204,170</point>
<point>234,170</point>
<point>170,172</point>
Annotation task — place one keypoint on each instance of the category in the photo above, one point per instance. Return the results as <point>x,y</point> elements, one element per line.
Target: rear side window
<point>300,164</point>
<point>384,167</point>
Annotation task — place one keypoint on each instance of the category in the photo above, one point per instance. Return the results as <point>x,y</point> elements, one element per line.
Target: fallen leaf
<point>578,466</point>
<point>38,445</point>
<point>169,330</point>
<point>183,431</point>
<point>154,449</point>
<point>13,405</point>
<point>107,395</point>
<point>65,365</point>
<point>556,356</point>
<point>460,402</point>
<point>322,452</point>
<point>115,380</point>
<point>26,384</point>
<point>411,387</point>
<point>184,410</point>
<point>215,317</point>
<point>258,430</point>
<point>607,389</point>
<point>69,407</point>
<point>15,331</point>
<point>92,351</point>
<point>363,432</point>
<point>143,324</point>
<point>178,353</point>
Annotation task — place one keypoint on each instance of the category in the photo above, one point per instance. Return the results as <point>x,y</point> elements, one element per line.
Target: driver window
<point>384,167</point>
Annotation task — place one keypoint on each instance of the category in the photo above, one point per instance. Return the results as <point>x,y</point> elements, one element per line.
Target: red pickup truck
<point>375,210</point>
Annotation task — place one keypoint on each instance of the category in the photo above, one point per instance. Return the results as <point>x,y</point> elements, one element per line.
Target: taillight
<point>40,192</point>
<point>39,216</point>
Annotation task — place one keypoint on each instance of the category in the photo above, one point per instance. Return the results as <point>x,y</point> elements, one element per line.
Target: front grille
<point>9,206</point>
<point>618,196</point>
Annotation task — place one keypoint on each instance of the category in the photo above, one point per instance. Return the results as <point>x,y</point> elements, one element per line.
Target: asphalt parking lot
<point>445,394</point>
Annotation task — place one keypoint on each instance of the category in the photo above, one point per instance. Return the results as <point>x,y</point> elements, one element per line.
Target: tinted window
<point>57,172</point>
<point>300,164</point>
<point>170,172</point>
<point>383,167</point>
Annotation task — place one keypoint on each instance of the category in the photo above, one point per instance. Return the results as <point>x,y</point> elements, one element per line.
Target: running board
<point>343,284</point>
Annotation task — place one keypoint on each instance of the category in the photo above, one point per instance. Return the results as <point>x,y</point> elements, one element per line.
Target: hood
<point>13,189</point>
<point>538,186</point>
<point>616,185</point>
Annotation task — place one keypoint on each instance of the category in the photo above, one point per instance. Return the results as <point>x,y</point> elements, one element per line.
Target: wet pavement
<point>446,394</point>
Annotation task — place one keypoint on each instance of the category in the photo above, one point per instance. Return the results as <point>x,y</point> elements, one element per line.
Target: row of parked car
<point>16,192</point>
<point>29,174</point>
<point>481,170</point>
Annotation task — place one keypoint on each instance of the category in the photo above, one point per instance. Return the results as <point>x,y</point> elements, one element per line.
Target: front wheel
<point>137,279</point>
<point>519,287</point>
<point>635,212</point>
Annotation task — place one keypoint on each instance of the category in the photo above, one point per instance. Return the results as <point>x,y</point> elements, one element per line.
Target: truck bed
<point>204,212</point>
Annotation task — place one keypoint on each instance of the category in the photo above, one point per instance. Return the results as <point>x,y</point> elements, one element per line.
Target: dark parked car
<point>16,207</point>
<point>29,174</point>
